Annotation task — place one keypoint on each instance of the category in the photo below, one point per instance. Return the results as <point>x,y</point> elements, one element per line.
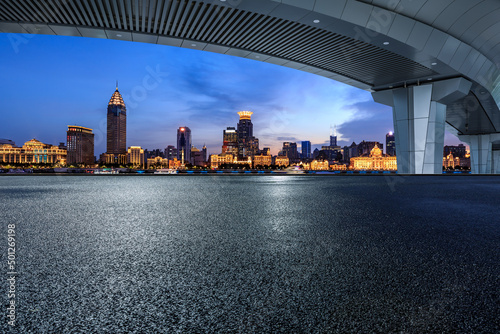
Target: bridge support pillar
<point>419,114</point>
<point>484,159</point>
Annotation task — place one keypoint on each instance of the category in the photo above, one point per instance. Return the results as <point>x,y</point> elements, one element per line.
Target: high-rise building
<point>80,145</point>
<point>184,144</point>
<point>306,149</point>
<point>248,145</point>
<point>204,153</point>
<point>230,141</point>
<point>333,141</point>
<point>390,144</point>
<point>290,150</point>
<point>170,152</point>
<point>116,142</point>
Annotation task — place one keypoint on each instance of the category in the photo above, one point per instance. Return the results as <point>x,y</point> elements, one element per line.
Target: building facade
<point>262,160</point>
<point>184,144</point>
<point>80,145</point>
<point>135,156</point>
<point>170,152</point>
<point>290,150</point>
<point>282,161</point>
<point>306,149</point>
<point>459,151</point>
<point>116,140</point>
<point>33,152</point>
<point>390,144</point>
<point>375,161</point>
<point>248,145</point>
<point>230,141</point>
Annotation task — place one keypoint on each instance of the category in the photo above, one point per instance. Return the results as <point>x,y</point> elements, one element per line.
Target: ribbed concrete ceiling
<point>216,23</point>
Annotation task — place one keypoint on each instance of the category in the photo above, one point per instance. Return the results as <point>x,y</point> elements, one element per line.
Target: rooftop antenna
<point>335,130</point>
<point>116,84</point>
<point>331,132</point>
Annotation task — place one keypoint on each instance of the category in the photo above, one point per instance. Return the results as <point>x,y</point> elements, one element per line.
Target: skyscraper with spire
<point>116,143</point>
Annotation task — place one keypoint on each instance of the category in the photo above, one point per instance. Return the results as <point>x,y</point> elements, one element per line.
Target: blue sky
<point>49,82</point>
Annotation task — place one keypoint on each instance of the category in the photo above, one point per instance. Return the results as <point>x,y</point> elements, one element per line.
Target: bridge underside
<point>373,45</point>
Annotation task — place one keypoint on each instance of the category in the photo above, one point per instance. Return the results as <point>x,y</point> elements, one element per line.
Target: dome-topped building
<point>375,161</point>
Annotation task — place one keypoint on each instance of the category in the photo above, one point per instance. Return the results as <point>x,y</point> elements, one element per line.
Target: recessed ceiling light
<point>429,79</point>
<point>257,56</point>
<point>316,21</point>
<point>434,64</point>
<point>386,43</point>
<point>222,0</point>
<point>118,35</point>
<point>193,44</point>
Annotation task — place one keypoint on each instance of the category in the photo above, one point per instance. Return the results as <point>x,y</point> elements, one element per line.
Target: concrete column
<point>419,114</point>
<point>483,159</point>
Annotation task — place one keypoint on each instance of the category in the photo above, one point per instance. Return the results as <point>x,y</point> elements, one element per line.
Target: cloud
<point>291,139</point>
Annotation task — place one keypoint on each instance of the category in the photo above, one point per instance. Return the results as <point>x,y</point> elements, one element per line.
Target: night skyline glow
<point>50,82</point>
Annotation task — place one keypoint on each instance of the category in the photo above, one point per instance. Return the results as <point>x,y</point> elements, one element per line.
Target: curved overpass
<point>435,62</point>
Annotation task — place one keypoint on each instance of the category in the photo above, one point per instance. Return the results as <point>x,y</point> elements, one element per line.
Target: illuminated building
<point>230,141</point>
<point>457,151</point>
<point>262,160</point>
<point>184,144</point>
<point>450,161</point>
<point>390,144</point>
<point>33,152</point>
<point>116,143</point>
<point>281,160</point>
<point>320,165</point>
<point>306,149</point>
<point>365,147</point>
<point>174,164</point>
<point>80,145</point>
<point>135,156</point>
<point>375,161</point>
<point>216,160</point>
<point>266,151</point>
<point>338,167</point>
<point>248,145</point>
<point>157,162</point>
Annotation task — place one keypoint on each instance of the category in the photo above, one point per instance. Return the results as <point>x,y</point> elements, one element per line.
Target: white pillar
<point>483,159</point>
<point>419,114</point>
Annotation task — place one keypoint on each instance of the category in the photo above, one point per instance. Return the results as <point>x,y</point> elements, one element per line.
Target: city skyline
<point>167,87</point>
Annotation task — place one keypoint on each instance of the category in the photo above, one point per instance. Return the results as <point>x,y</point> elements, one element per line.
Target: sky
<point>50,82</point>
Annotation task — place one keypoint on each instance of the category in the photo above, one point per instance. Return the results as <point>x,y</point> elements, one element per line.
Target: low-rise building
<point>282,161</point>
<point>262,160</point>
<point>33,152</point>
<point>375,161</point>
<point>135,156</point>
